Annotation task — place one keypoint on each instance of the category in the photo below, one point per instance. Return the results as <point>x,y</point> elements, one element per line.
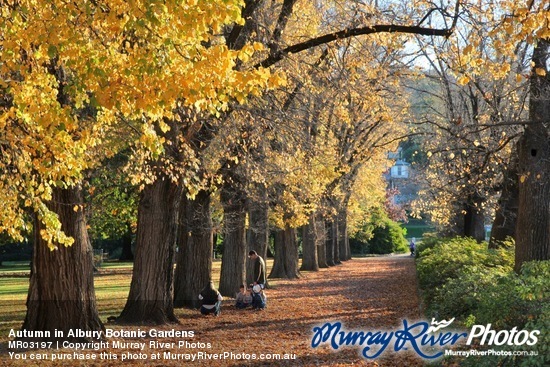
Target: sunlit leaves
<point>77,77</point>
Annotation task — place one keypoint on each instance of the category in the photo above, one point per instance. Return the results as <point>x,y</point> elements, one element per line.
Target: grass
<point>111,291</point>
<point>13,266</point>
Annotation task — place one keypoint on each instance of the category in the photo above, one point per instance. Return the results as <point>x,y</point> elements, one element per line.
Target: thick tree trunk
<point>127,254</point>
<point>474,220</point>
<point>504,224</point>
<point>285,264</point>
<point>61,288</point>
<point>150,298</point>
<point>234,240</point>
<point>335,241</point>
<point>258,230</point>
<point>195,250</point>
<point>343,241</point>
<point>533,221</point>
<point>320,238</point>
<point>329,242</point>
<point>310,259</point>
<point>258,227</point>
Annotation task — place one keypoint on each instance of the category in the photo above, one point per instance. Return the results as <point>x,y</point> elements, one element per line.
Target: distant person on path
<point>412,247</point>
<point>259,268</point>
<point>211,300</point>
<point>244,298</point>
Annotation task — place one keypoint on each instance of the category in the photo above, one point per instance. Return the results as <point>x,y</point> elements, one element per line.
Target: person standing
<point>412,247</point>
<point>259,268</point>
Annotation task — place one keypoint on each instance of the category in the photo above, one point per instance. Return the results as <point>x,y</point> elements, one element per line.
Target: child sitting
<point>258,297</point>
<point>243,299</point>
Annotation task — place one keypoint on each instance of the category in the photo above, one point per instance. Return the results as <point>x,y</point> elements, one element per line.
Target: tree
<point>73,88</point>
<point>469,119</point>
<point>53,272</point>
<point>277,52</point>
<point>533,221</point>
<point>195,247</point>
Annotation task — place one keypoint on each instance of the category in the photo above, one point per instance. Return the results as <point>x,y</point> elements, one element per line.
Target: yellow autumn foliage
<point>77,77</point>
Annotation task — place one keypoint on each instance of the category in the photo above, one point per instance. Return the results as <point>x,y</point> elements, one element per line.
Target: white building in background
<point>400,169</point>
<point>400,176</point>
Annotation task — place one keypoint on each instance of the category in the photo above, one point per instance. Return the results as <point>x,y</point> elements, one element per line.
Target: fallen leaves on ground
<point>368,294</point>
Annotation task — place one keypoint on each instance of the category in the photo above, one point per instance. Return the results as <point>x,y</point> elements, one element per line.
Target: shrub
<point>387,238</point>
<point>463,279</point>
<point>439,261</point>
<point>380,235</point>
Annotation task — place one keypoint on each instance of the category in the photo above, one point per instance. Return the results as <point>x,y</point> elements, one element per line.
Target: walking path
<point>369,294</point>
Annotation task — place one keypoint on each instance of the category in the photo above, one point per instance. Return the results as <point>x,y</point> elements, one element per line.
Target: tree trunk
<point>150,298</point>
<point>343,242</point>
<point>504,224</point>
<point>474,220</point>
<point>335,242</point>
<point>320,238</point>
<point>61,292</point>
<point>533,221</point>
<point>234,240</point>
<point>285,264</point>
<point>127,254</point>
<point>258,230</point>
<point>195,250</point>
<point>329,242</point>
<point>310,260</point>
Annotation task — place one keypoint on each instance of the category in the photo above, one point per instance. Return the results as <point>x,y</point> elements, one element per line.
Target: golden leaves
<point>463,80</point>
<point>87,71</point>
<point>540,71</point>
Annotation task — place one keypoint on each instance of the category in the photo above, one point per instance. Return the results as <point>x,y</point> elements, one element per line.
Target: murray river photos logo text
<point>427,340</point>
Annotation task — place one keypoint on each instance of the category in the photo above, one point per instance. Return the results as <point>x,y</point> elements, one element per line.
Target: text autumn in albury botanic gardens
<point>274,183</point>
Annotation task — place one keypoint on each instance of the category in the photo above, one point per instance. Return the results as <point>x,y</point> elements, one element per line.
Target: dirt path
<point>368,294</point>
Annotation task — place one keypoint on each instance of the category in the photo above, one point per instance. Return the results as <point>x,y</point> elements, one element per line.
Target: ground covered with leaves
<point>368,294</point>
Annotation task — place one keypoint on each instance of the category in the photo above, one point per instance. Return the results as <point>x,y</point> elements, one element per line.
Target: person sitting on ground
<point>211,300</point>
<point>244,298</point>
<point>259,298</point>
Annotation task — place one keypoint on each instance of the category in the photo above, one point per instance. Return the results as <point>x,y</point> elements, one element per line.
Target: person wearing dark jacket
<point>211,300</point>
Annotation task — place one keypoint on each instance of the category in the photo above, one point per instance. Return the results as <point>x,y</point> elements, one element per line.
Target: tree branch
<point>346,33</point>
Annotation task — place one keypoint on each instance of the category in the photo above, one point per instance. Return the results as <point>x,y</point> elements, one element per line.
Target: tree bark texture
<point>343,241</point>
<point>533,221</point>
<point>61,292</point>
<point>310,260</point>
<point>285,264</point>
<point>195,250</point>
<point>329,242</point>
<point>234,240</point>
<point>504,224</point>
<point>258,230</point>
<point>320,238</point>
<point>335,241</point>
<point>150,298</point>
